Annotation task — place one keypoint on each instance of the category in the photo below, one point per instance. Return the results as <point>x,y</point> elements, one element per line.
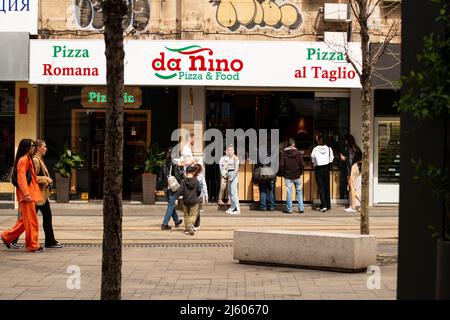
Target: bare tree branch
<point>391,34</point>
<point>373,8</point>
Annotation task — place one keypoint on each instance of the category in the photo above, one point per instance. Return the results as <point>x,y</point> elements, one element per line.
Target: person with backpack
<point>321,157</point>
<point>170,170</point>
<point>27,194</point>
<point>264,176</point>
<point>292,166</point>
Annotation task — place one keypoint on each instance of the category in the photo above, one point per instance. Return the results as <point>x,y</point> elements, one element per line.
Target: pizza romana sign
<point>203,63</point>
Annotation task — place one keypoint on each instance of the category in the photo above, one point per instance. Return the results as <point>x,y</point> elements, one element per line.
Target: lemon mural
<point>232,14</point>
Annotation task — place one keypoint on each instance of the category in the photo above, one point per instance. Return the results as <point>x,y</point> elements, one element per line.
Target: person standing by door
<point>292,166</point>
<point>321,157</point>
<point>27,194</point>
<point>353,155</point>
<point>233,180</point>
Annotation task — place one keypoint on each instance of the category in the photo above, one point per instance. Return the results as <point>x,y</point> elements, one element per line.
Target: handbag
<point>172,182</point>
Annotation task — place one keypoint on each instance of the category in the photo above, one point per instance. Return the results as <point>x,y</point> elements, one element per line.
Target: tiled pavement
<point>171,265</point>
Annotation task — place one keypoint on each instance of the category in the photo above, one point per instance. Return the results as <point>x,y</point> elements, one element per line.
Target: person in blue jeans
<point>264,188</point>
<point>292,166</point>
<point>170,168</point>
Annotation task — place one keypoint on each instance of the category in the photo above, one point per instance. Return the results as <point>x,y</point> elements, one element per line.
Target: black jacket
<point>292,163</point>
<point>190,190</point>
<point>177,172</point>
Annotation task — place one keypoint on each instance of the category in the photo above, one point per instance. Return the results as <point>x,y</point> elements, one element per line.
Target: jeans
<point>171,211</point>
<point>233,193</point>
<point>263,187</point>
<point>323,185</point>
<point>297,183</point>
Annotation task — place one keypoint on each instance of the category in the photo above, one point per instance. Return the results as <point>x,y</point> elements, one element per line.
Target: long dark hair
<point>24,147</point>
<point>351,142</point>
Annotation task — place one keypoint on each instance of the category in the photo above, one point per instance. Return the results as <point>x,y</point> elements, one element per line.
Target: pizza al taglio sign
<point>202,63</point>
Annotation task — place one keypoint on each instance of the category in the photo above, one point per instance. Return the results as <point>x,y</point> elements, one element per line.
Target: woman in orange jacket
<point>27,195</point>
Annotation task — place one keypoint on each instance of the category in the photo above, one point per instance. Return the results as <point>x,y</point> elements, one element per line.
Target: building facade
<point>221,64</point>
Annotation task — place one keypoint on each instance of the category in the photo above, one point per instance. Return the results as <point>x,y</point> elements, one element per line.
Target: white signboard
<point>202,63</point>
<point>19,16</point>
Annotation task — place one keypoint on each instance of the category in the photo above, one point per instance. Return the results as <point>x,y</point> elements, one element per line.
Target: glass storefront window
<point>7,106</point>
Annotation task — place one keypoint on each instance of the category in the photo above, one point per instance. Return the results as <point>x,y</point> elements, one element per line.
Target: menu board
<point>389,151</point>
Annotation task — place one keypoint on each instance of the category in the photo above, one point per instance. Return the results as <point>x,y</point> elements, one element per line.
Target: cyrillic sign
<point>19,16</point>
<point>203,63</point>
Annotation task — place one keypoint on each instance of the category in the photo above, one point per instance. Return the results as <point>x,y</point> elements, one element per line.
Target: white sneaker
<point>196,228</point>
<point>350,209</point>
<point>229,211</point>
<point>191,229</point>
<point>323,210</point>
<point>234,212</point>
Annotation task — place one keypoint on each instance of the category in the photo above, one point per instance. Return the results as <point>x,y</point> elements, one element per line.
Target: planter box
<point>148,188</point>
<point>62,188</point>
<point>315,250</point>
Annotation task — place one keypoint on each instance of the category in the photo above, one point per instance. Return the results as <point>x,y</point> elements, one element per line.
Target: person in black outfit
<point>170,168</point>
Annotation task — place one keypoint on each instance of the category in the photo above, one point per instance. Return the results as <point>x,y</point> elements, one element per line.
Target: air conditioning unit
<point>335,37</point>
<point>337,12</point>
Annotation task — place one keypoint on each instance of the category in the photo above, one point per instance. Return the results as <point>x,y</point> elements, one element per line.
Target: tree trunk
<point>366,102</point>
<point>114,11</point>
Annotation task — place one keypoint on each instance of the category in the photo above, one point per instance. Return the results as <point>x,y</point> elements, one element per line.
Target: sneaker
<point>39,250</point>
<point>229,211</point>
<point>318,209</point>
<point>287,212</point>
<point>350,209</point>
<point>262,209</point>
<point>191,229</point>
<point>55,246</point>
<point>202,210</point>
<point>179,223</point>
<point>323,210</point>
<point>301,211</point>
<point>6,244</point>
<point>14,245</point>
<point>165,227</point>
<point>234,212</point>
<point>196,228</point>
<point>186,231</point>
<point>271,209</point>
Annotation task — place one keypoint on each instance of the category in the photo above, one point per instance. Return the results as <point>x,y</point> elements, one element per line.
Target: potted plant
<point>152,161</point>
<point>426,98</point>
<point>68,160</point>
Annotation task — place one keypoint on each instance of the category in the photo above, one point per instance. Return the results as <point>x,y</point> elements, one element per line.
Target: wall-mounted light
<point>23,100</point>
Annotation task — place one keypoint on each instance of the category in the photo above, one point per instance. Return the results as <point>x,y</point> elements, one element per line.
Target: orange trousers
<point>28,222</point>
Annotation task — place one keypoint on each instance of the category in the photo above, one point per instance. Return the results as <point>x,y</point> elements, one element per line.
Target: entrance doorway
<point>88,139</point>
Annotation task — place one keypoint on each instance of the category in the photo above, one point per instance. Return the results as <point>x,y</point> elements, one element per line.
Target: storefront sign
<point>202,63</point>
<point>19,16</point>
<point>96,97</point>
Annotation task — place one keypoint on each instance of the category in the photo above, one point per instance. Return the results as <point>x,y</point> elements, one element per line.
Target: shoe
<point>55,246</point>
<point>287,212</point>
<point>186,231</point>
<point>271,209</point>
<point>14,245</point>
<point>179,222</point>
<point>221,203</point>
<point>39,250</point>
<point>262,209</point>
<point>233,212</point>
<point>301,211</point>
<point>191,229</point>
<point>6,244</point>
<point>165,227</point>
<point>318,209</point>
<point>229,211</point>
<point>350,209</point>
<point>196,228</point>
<point>323,210</point>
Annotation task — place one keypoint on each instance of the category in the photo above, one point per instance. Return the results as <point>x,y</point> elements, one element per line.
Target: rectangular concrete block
<point>317,250</point>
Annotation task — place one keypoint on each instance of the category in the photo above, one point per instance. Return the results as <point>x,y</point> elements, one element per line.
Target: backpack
<point>14,180</point>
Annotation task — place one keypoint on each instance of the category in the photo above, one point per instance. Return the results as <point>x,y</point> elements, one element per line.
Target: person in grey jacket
<point>233,179</point>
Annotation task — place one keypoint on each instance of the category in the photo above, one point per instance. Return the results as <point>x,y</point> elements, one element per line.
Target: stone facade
<point>297,20</point>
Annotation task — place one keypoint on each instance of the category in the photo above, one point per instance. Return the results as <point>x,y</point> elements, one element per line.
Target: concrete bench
<point>316,250</point>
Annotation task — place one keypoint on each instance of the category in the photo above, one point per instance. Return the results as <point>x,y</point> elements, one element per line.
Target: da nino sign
<point>96,97</point>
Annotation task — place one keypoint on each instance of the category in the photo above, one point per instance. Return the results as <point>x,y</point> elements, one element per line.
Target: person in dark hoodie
<point>292,166</point>
<point>190,190</point>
